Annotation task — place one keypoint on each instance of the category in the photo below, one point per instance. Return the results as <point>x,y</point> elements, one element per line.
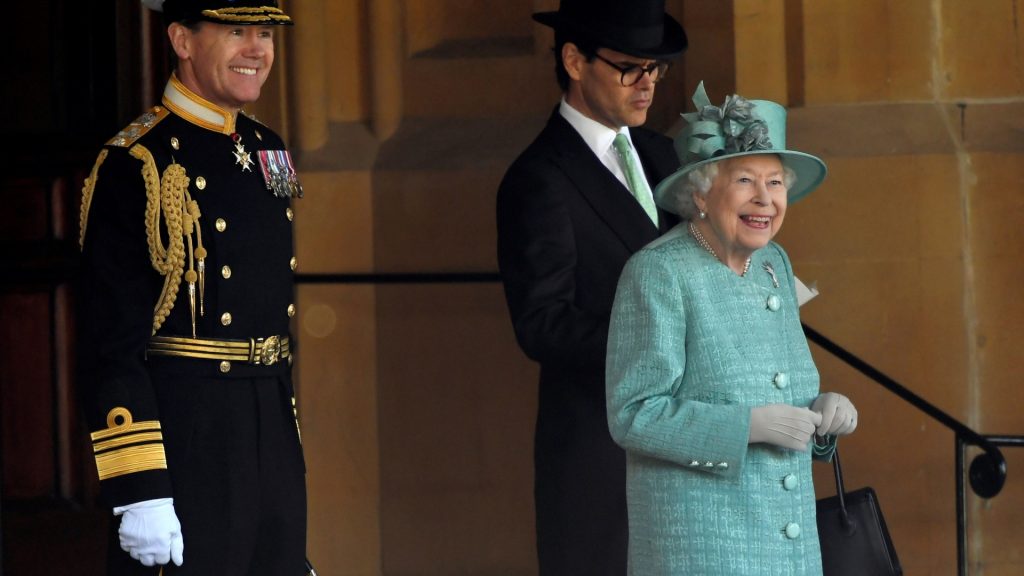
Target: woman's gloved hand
<point>150,532</point>
<point>838,415</point>
<point>783,425</point>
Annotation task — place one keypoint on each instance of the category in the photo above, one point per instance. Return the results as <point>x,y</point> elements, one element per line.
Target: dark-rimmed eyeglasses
<point>633,73</point>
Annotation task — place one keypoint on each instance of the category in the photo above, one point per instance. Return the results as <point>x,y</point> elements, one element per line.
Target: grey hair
<point>699,181</point>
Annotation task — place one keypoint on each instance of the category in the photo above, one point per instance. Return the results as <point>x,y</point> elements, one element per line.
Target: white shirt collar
<point>597,136</point>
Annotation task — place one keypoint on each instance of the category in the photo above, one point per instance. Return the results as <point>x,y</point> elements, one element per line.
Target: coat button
<point>293,263</point>
<point>225,318</point>
<point>774,303</point>
<point>226,272</point>
<point>225,366</point>
<point>201,183</point>
<point>221,225</point>
<point>175,144</point>
<point>792,530</point>
<point>291,310</point>
<point>790,482</point>
<point>781,380</point>
<point>289,214</point>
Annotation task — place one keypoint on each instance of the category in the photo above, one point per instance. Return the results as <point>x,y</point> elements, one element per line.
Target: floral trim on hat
<point>727,130</point>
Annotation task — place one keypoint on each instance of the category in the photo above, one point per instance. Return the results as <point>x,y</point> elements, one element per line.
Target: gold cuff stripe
<point>138,438</point>
<point>130,460</point>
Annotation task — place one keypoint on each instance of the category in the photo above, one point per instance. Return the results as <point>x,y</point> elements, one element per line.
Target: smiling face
<point>225,64</point>
<point>596,89</point>
<point>745,206</point>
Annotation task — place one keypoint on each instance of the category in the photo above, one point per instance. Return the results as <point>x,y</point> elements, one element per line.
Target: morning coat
<point>566,227</point>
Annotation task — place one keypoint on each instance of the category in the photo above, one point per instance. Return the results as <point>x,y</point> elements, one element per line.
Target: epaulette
<point>138,127</point>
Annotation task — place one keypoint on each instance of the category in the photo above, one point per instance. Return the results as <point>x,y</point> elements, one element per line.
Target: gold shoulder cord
<point>170,195</point>
<point>87,190</point>
<point>181,216</point>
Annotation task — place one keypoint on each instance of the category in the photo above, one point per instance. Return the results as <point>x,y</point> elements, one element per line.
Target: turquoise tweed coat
<point>692,347</point>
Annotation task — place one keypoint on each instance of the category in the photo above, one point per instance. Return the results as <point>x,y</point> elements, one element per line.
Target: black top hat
<point>244,12</point>
<point>639,28</point>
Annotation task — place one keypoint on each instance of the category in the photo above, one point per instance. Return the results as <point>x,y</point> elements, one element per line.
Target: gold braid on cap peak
<point>170,196</point>
<point>248,14</point>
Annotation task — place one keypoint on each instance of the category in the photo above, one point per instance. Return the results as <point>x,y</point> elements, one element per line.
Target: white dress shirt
<point>599,139</point>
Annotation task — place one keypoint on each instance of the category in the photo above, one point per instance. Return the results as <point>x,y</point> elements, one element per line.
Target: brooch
<point>768,268</point>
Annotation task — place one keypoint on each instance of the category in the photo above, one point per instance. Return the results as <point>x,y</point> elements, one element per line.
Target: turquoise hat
<point>740,127</point>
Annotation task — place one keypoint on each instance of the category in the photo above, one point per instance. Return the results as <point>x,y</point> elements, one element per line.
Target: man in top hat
<point>570,211</point>
<point>187,295</point>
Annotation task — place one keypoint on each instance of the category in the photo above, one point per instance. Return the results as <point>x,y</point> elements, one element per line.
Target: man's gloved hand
<point>838,415</point>
<point>150,532</point>
<point>783,425</point>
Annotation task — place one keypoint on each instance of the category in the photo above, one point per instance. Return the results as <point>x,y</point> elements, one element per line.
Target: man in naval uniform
<point>187,296</point>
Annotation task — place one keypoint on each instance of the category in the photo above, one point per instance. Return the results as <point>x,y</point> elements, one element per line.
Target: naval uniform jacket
<point>692,347</point>
<point>195,429</point>
<point>566,227</point>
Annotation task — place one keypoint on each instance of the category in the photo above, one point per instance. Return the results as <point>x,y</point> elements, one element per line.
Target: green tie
<point>637,183</point>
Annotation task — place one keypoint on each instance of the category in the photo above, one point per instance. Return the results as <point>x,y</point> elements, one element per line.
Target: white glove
<point>150,532</point>
<point>838,416</point>
<point>783,425</point>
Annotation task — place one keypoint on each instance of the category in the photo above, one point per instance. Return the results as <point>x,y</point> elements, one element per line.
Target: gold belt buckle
<point>268,351</point>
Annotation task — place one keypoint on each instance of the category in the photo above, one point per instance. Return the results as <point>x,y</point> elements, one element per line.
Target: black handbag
<point>852,532</point>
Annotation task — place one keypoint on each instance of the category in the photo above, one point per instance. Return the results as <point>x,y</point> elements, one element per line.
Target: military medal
<point>279,173</point>
<point>241,156</point>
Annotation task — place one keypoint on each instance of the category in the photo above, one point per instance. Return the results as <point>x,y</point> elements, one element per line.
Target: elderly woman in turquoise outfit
<point>712,390</point>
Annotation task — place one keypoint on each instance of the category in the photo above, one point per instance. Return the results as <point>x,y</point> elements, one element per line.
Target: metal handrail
<point>988,469</point>
<point>991,475</point>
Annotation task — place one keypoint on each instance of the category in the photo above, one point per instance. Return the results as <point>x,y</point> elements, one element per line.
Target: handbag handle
<point>848,525</point>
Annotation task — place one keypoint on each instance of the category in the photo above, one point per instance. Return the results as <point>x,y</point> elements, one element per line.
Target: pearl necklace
<point>704,244</point>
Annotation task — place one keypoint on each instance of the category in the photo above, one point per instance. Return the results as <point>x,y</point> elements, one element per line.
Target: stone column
<point>307,81</point>
<point>385,67</point>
